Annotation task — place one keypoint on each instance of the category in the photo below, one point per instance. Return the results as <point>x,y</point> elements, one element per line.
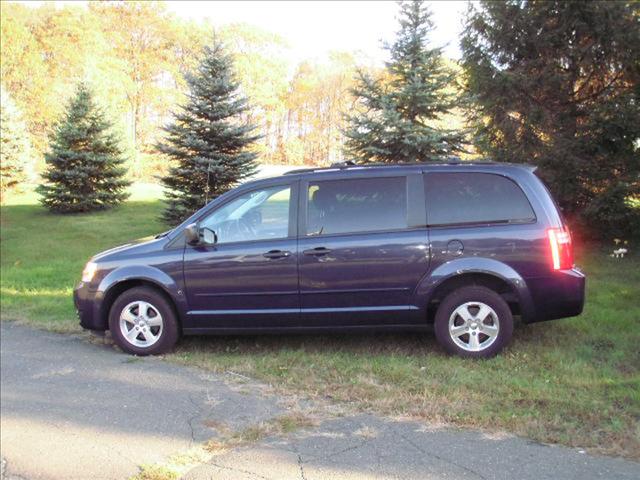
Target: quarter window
<point>472,198</point>
<point>258,215</point>
<point>356,205</point>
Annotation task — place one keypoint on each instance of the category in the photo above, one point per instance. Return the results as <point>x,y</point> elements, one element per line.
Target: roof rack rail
<point>454,160</point>
<point>337,165</point>
<point>299,170</point>
<point>350,164</point>
<point>345,164</point>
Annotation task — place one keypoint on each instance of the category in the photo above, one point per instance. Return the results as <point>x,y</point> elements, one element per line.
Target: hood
<point>141,245</point>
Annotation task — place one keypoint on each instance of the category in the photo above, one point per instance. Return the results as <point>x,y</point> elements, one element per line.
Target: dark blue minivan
<point>462,248</point>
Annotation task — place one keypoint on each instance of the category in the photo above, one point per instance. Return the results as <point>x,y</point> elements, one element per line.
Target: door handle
<point>317,251</point>
<point>273,254</point>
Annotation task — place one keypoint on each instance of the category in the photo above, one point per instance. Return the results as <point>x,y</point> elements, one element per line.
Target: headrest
<point>323,198</point>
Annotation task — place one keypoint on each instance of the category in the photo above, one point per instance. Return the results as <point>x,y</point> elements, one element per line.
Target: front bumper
<point>85,303</point>
<point>560,295</point>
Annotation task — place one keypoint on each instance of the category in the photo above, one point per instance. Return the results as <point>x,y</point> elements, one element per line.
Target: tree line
<point>136,55</point>
<point>553,84</point>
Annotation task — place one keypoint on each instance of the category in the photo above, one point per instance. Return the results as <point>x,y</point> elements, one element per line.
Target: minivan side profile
<point>460,248</point>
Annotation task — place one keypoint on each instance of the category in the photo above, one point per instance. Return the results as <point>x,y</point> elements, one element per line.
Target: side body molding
<point>463,266</point>
<point>143,273</point>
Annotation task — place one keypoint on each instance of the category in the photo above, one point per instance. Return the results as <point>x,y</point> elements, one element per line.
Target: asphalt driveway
<point>72,409</point>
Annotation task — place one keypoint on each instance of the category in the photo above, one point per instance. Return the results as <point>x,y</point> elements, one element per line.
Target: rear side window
<point>356,205</point>
<point>471,198</point>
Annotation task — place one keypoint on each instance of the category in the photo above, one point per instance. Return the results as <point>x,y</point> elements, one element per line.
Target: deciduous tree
<point>262,71</point>
<point>144,62</point>
<point>45,51</point>
<point>15,146</point>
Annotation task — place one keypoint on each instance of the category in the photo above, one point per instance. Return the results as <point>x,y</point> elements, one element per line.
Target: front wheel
<point>142,322</point>
<point>473,322</point>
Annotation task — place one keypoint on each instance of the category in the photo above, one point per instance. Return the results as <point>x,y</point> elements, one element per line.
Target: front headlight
<point>89,271</point>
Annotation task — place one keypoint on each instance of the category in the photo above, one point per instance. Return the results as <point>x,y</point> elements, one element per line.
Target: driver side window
<point>257,215</point>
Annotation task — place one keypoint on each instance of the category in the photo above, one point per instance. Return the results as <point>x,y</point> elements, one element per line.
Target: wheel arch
<point>117,282</point>
<point>489,273</point>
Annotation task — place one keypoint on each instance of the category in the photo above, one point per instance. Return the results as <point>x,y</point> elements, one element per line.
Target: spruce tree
<point>557,84</point>
<point>85,163</point>
<point>395,120</point>
<point>15,146</point>
<point>208,142</point>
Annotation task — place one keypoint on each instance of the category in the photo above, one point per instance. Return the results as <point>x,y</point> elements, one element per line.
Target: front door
<point>363,249</point>
<point>249,278</point>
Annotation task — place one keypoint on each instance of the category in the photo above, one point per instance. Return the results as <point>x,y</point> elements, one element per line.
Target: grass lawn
<point>42,255</point>
<point>574,382</point>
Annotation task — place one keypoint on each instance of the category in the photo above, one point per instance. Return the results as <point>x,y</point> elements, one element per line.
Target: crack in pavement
<point>346,449</point>
<point>300,461</point>
<point>300,464</point>
<point>233,469</point>
<point>438,457</point>
<point>191,419</point>
<point>190,423</point>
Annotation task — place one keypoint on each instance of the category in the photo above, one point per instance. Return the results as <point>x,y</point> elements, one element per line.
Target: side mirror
<point>197,235</point>
<point>207,236</point>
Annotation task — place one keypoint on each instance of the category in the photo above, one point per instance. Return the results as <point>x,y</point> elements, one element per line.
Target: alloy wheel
<point>141,324</point>
<point>474,326</point>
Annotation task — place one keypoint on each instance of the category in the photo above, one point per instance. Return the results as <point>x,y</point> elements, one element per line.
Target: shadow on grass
<point>357,344</point>
<point>407,344</point>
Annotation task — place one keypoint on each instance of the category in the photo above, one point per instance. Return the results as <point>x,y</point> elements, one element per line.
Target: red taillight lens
<point>561,249</point>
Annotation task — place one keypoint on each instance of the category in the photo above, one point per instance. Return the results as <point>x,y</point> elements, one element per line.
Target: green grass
<point>42,255</point>
<point>574,381</point>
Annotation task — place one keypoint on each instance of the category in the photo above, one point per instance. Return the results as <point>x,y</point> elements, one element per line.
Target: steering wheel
<point>235,230</point>
<point>245,228</point>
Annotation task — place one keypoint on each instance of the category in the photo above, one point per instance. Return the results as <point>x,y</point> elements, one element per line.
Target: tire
<point>473,322</point>
<point>158,326</point>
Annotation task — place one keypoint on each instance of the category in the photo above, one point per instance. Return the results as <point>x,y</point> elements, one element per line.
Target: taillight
<point>561,249</point>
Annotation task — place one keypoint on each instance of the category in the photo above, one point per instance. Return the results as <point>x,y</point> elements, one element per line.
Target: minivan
<point>458,248</point>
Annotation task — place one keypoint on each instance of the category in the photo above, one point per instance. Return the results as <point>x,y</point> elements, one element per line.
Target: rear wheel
<point>473,322</point>
<point>142,322</point>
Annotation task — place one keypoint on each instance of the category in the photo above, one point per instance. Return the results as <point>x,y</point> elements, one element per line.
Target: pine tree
<point>85,164</point>
<point>15,146</point>
<point>396,120</point>
<point>207,142</point>
<point>556,84</point>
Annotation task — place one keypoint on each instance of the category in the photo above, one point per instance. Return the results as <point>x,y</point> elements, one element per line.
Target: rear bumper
<point>84,301</point>
<point>560,295</point>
